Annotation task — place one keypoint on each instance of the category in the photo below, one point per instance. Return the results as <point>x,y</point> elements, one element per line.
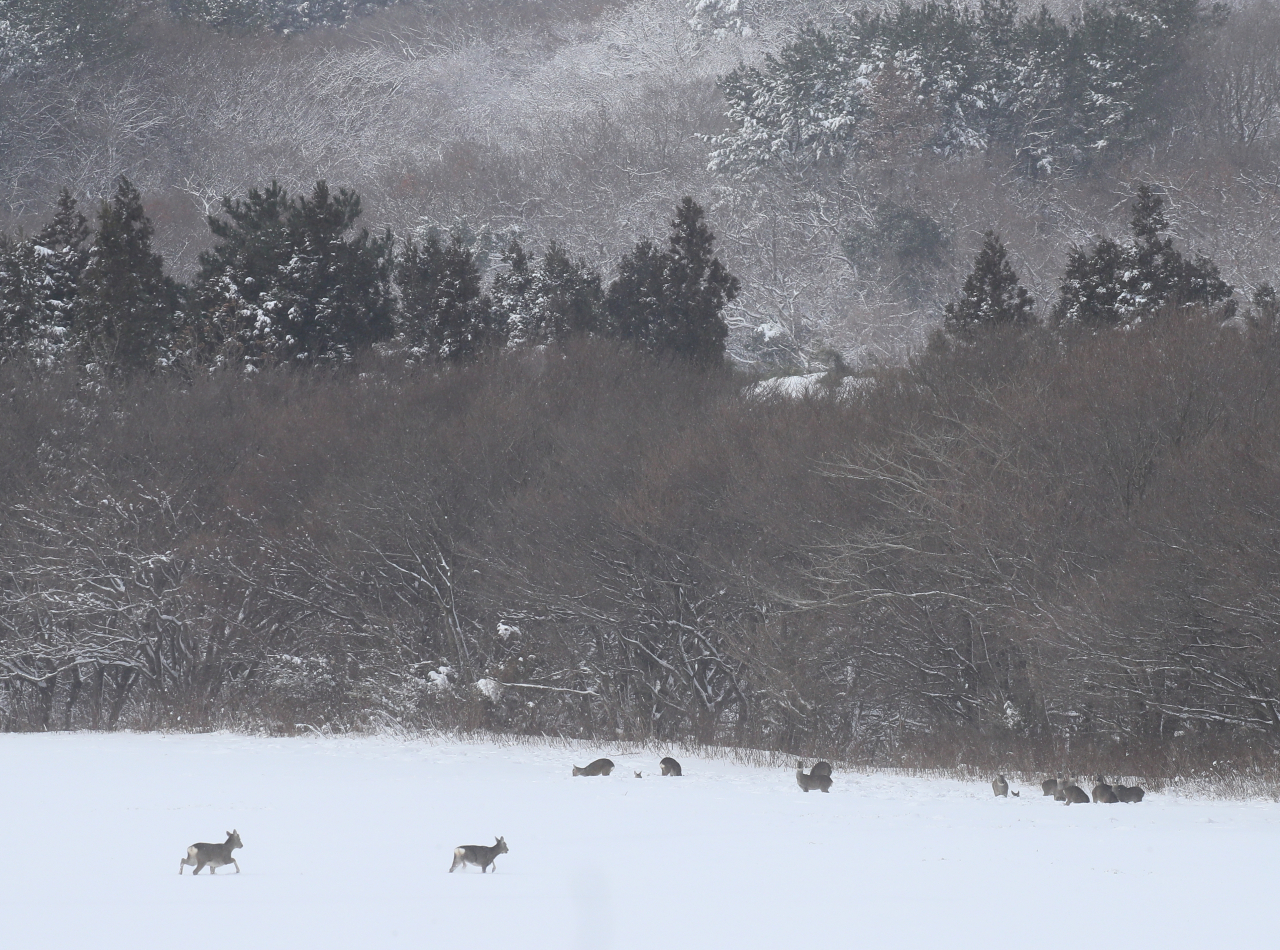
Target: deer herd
<point>213,856</point>
<point>1066,790</point>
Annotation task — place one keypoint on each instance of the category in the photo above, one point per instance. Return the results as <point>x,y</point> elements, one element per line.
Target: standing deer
<point>482,856</point>
<point>809,782</point>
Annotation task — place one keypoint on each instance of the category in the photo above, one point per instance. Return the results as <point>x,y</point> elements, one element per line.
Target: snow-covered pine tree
<point>125,312</point>
<point>718,18</point>
<point>288,281</point>
<point>39,278</point>
<point>545,303</point>
<point>1115,284</point>
<point>235,308</point>
<point>634,301</point>
<point>17,296</point>
<point>62,249</point>
<point>571,295</point>
<point>336,289</point>
<point>941,77</point>
<point>443,313</point>
<point>698,288</point>
<point>991,296</point>
<point>514,295</point>
<point>671,302</point>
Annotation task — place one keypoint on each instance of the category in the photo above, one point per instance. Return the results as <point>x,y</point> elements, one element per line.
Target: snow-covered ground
<point>347,843</point>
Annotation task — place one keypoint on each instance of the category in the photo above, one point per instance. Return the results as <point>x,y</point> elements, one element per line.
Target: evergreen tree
<point>443,312</point>
<point>515,296</point>
<point>992,296</point>
<point>943,77</point>
<point>547,303</point>
<point>1117,283</point>
<point>337,292</point>
<point>636,298</point>
<point>18,296</point>
<point>126,306</point>
<point>571,295</point>
<point>671,301</point>
<point>63,247</point>
<point>39,278</point>
<point>288,281</point>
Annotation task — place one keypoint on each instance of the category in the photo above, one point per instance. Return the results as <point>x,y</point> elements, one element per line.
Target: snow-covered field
<point>347,843</point>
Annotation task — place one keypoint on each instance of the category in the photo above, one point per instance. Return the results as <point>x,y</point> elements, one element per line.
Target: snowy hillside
<point>347,843</point>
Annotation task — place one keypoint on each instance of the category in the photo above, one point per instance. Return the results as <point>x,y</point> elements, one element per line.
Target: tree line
<point>292,280</point>
<point>1111,284</point>
<point>1042,544</point>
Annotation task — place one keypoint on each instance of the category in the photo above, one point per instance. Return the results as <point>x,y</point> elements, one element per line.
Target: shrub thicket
<point>1025,543</point>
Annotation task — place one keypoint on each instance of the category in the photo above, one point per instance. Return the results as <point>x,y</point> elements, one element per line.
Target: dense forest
<point>430,364</point>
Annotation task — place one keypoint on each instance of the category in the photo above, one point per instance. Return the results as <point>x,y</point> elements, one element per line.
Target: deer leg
<point>237,864</point>
<point>199,866</point>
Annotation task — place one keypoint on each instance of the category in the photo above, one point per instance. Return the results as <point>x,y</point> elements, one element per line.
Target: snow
<point>808,385</point>
<point>790,387</point>
<point>347,844</point>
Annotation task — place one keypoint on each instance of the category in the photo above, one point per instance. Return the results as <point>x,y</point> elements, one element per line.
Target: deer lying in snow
<point>1073,793</point>
<point>1128,793</point>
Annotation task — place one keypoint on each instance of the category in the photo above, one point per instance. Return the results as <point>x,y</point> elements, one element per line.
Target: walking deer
<point>598,767</point>
<point>482,856</point>
<point>214,855</point>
